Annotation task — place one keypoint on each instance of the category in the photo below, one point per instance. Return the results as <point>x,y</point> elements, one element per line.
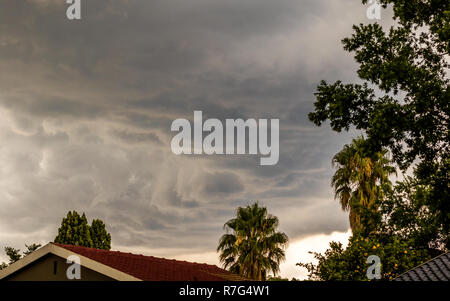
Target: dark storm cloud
<point>135,137</point>
<point>47,106</point>
<point>222,183</point>
<point>86,109</point>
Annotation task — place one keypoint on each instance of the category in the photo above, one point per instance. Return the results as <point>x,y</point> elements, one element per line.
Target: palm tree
<point>254,247</point>
<point>360,180</point>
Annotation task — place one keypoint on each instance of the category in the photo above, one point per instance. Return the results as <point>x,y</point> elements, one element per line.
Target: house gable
<point>51,267</point>
<point>32,262</point>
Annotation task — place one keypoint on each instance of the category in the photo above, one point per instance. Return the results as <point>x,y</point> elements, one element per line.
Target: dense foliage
<point>408,115</point>
<point>350,263</point>
<point>76,231</point>
<point>360,182</point>
<point>406,215</point>
<point>254,247</point>
<point>402,238</point>
<point>101,239</point>
<point>14,254</point>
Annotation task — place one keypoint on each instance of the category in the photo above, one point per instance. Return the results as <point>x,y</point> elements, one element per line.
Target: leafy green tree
<point>409,114</point>
<point>101,239</point>
<point>76,231</point>
<point>31,248</point>
<point>254,247</point>
<point>359,183</point>
<point>3,265</point>
<point>345,264</point>
<point>407,216</point>
<point>13,254</point>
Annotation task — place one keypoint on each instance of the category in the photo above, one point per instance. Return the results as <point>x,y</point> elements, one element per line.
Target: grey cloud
<point>135,137</point>
<point>47,106</point>
<point>222,183</point>
<point>86,109</point>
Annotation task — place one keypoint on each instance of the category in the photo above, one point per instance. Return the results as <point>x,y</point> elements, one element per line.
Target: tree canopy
<point>350,263</point>
<point>409,113</point>
<point>359,183</point>
<point>75,230</point>
<point>402,106</point>
<point>254,247</point>
<point>14,254</point>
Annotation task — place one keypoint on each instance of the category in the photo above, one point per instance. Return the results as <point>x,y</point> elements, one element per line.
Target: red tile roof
<point>149,268</point>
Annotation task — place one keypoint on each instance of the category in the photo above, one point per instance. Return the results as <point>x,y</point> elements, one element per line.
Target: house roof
<point>149,268</point>
<point>126,266</point>
<point>57,250</point>
<point>436,269</point>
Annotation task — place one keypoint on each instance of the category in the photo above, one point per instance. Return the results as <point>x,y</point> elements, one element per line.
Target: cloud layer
<point>86,108</point>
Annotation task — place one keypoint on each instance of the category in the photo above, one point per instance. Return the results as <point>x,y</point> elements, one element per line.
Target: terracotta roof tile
<point>149,268</point>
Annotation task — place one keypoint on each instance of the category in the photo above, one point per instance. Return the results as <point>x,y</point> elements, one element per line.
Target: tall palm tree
<point>359,180</point>
<point>254,247</point>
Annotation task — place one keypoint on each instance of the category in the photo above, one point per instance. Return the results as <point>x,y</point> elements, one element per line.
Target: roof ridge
<point>440,268</point>
<point>421,266</point>
<point>141,266</point>
<point>177,261</point>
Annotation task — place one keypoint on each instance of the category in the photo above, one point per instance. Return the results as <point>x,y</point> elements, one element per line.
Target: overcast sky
<point>86,108</point>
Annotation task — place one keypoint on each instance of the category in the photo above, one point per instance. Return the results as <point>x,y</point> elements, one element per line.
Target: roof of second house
<point>149,268</point>
<point>436,269</point>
